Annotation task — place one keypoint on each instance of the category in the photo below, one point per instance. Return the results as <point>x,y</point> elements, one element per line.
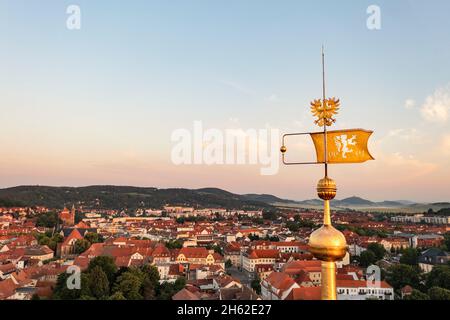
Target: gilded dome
<point>328,244</point>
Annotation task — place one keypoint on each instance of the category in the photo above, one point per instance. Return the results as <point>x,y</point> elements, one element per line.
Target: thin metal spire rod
<point>324,125</point>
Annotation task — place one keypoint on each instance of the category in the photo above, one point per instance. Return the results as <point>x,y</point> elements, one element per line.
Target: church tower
<point>67,217</point>
<point>72,216</point>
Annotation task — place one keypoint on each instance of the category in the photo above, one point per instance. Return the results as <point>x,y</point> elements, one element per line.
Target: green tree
<point>98,283</point>
<point>47,220</point>
<point>35,297</point>
<point>228,264</point>
<point>367,258</point>
<point>179,284</point>
<point>81,246</point>
<point>148,290</point>
<point>79,216</point>
<point>174,244</point>
<point>417,295</point>
<point>437,293</point>
<point>44,241</point>
<point>117,296</point>
<point>292,226</point>
<point>256,285</point>
<point>377,249</point>
<point>253,237</point>
<point>53,243</point>
<point>106,264</point>
<point>410,256</point>
<point>218,249</point>
<point>401,275</point>
<point>302,223</point>
<point>439,276</point>
<point>129,284</point>
<point>180,220</point>
<point>93,237</point>
<point>150,282</point>
<point>447,241</point>
<point>49,240</point>
<point>151,273</point>
<point>167,290</point>
<point>269,215</point>
<point>62,291</point>
<point>8,203</point>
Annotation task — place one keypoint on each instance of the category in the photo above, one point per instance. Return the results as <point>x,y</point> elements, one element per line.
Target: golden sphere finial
<point>328,244</point>
<point>326,188</point>
<point>283,149</point>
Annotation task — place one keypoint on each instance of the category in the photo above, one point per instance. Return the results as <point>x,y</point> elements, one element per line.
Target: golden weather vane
<point>340,146</point>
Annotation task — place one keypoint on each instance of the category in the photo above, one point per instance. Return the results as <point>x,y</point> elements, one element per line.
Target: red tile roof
<point>82,262</point>
<point>263,254</point>
<point>185,294</point>
<point>358,284</point>
<point>280,281</point>
<point>75,234</point>
<point>7,288</point>
<point>340,276</point>
<point>194,252</point>
<point>7,268</point>
<point>305,293</point>
<point>297,266</point>
<point>81,225</point>
<point>161,251</point>
<point>303,277</point>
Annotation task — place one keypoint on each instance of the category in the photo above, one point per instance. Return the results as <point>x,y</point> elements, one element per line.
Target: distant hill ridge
<point>119,197</point>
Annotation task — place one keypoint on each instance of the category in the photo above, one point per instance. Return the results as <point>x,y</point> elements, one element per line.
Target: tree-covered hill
<point>119,197</point>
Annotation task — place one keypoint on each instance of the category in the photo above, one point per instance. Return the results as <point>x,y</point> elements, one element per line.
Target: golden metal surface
<point>343,146</point>
<point>327,243</point>
<point>283,149</point>
<point>326,189</point>
<point>328,291</point>
<point>324,110</point>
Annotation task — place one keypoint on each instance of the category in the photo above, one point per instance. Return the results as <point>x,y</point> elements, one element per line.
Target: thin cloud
<point>410,103</point>
<point>437,106</point>
<point>238,87</point>
<point>273,97</point>
<point>415,167</point>
<point>410,135</point>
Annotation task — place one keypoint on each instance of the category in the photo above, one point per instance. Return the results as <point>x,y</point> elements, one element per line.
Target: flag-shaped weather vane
<point>340,146</point>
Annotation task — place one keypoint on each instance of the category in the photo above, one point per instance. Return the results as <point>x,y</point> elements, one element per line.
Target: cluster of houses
<point>186,212</point>
<point>171,263</point>
<point>421,218</point>
<point>203,251</point>
<point>301,280</point>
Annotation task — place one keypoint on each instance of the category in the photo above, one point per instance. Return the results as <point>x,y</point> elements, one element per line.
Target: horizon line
<point>186,188</point>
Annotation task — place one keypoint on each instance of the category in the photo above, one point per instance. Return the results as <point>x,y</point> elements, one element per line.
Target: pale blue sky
<point>98,105</point>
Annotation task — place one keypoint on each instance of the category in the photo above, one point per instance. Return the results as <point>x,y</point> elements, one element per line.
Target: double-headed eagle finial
<point>325,110</point>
